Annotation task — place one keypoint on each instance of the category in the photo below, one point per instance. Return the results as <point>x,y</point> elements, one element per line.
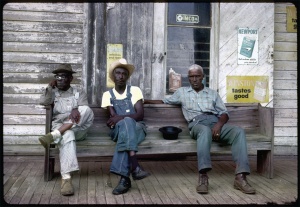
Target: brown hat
<point>64,67</point>
<point>121,63</point>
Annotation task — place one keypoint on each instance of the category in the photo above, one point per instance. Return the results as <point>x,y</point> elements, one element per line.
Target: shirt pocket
<point>189,104</point>
<point>209,103</point>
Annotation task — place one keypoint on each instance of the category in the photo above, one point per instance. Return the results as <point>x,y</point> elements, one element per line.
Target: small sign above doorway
<point>187,18</point>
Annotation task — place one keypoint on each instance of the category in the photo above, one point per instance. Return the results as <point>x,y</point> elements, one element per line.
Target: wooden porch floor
<point>171,182</point>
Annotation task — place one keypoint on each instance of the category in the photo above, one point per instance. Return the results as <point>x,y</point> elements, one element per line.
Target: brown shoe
<point>202,187</point>
<point>66,187</point>
<point>242,184</point>
<point>46,140</point>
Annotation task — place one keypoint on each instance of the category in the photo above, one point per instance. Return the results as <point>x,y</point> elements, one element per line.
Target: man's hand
<point>113,120</point>
<point>216,131</point>
<point>75,116</point>
<point>53,83</point>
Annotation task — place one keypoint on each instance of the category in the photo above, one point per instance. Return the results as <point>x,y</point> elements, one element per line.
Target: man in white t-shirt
<point>125,105</point>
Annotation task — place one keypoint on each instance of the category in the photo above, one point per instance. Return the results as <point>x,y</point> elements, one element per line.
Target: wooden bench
<point>256,120</point>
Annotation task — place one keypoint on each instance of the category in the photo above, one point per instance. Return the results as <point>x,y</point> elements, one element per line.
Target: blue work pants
<point>230,135</point>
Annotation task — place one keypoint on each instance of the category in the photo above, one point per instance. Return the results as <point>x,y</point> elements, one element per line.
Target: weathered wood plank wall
<point>36,37</point>
<point>241,15</point>
<point>129,24</point>
<point>285,84</point>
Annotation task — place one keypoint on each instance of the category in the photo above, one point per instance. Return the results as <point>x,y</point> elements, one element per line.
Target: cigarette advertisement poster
<point>291,19</point>
<point>247,89</point>
<point>247,46</point>
<point>114,52</point>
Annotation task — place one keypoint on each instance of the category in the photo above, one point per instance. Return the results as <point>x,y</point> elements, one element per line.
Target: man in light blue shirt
<point>207,118</point>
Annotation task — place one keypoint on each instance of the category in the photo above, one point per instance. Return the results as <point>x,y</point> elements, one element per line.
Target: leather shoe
<point>139,173</point>
<point>66,187</point>
<point>202,187</point>
<point>123,186</point>
<point>242,184</point>
<point>46,140</point>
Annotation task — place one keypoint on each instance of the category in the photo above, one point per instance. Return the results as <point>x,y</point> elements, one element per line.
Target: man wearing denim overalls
<point>125,105</point>
<point>70,121</point>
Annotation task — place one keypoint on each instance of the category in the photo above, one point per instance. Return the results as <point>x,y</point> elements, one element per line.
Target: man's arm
<point>82,100</point>
<point>138,116</point>
<point>46,97</point>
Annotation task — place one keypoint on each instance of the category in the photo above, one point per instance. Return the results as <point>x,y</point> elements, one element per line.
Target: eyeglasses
<point>61,77</point>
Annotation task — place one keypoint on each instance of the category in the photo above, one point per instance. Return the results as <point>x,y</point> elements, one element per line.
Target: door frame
<point>158,90</point>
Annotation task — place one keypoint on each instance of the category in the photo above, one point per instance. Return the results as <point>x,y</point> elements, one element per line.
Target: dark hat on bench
<point>170,132</point>
<point>63,68</point>
<point>121,63</point>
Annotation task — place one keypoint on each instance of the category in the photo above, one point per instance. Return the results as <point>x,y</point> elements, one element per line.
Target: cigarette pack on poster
<point>247,47</point>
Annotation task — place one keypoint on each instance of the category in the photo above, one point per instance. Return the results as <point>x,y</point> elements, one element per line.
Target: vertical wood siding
<point>36,37</point>
<point>285,84</point>
<point>129,24</point>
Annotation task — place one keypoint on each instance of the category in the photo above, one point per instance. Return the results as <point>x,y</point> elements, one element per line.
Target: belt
<point>206,113</point>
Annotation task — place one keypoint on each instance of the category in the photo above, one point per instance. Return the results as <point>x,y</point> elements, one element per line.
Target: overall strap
<point>76,93</point>
<point>56,92</point>
<point>128,92</point>
<point>113,97</point>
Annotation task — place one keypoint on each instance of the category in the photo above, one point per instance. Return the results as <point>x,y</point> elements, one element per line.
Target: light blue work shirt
<point>195,103</point>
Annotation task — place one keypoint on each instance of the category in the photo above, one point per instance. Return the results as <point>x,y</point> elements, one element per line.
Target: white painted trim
<point>159,44</point>
<point>159,37</point>
<point>214,46</point>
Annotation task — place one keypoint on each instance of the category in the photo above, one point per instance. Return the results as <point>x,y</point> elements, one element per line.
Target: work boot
<point>46,140</point>
<point>66,187</point>
<point>202,187</point>
<point>139,173</point>
<point>123,186</point>
<point>242,184</point>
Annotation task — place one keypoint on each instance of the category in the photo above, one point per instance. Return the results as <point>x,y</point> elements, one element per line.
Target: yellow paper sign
<point>247,89</point>
<point>114,52</point>
<point>291,19</point>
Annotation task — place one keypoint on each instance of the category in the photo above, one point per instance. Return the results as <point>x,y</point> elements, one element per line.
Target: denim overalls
<point>127,133</point>
<point>66,144</point>
<point>63,107</point>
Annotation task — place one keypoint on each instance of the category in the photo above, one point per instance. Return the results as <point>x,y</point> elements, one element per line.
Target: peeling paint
<point>110,6</point>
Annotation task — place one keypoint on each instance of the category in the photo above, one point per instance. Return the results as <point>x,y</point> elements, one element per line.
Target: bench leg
<point>51,168</point>
<point>265,163</point>
<point>48,165</point>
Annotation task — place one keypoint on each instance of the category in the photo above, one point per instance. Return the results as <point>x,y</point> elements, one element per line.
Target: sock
<point>56,134</point>
<point>133,161</point>
<point>66,176</point>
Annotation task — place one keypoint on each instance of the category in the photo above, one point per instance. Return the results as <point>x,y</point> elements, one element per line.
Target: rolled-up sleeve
<point>220,106</point>
<point>174,99</point>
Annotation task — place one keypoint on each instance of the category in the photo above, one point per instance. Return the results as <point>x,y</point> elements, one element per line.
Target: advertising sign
<point>291,19</point>
<point>247,89</point>
<point>114,52</point>
<point>247,46</point>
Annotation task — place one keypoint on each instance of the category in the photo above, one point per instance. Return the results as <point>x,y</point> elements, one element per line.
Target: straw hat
<point>121,63</point>
<point>63,68</point>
